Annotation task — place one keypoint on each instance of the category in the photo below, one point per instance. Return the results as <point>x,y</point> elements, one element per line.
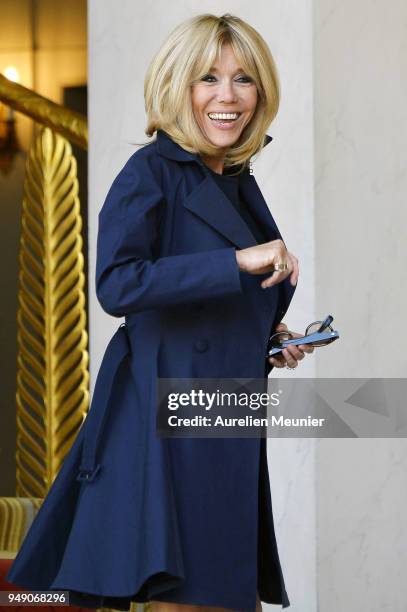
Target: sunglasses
<point>318,333</point>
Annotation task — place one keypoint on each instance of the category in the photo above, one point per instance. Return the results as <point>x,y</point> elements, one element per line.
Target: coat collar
<point>169,148</point>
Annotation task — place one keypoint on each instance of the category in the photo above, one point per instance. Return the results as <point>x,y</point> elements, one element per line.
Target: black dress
<point>230,187</point>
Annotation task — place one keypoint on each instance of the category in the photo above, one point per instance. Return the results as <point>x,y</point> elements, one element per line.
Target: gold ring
<point>280,267</point>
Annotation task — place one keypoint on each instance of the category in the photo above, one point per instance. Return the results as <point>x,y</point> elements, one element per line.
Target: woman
<point>186,253</point>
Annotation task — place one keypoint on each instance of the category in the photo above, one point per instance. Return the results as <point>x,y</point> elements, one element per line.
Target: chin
<point>223,140</point>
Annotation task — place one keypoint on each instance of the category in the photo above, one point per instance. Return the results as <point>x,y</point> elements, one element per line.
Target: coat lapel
<point>209,202</point>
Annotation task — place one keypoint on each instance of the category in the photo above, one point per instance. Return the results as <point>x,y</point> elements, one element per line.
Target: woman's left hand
<point>291,355</point>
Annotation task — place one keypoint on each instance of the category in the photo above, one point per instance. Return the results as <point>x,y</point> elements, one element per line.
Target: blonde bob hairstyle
<point>184,58</point>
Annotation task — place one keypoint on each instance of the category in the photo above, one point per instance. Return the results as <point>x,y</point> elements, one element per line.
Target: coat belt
<point>116,351</point>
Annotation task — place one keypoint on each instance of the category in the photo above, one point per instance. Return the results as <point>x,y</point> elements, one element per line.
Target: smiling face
<point>225,89</point>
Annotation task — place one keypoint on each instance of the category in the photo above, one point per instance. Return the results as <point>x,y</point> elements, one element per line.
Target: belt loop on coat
<point>117,349</point>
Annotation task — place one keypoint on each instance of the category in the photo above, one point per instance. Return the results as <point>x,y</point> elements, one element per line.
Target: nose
<point>226,91</point>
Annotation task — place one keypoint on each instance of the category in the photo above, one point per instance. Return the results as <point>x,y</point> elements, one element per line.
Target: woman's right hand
<point>261,259</point>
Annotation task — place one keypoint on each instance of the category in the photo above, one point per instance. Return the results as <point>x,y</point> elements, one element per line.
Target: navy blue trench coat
<point>134,516</point>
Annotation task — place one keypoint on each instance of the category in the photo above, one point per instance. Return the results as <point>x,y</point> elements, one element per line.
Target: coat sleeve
<point>129,275</point>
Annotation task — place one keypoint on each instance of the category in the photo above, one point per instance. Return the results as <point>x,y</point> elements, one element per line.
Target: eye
<point>247,79</point>
<point>207,76</point>
<point>242,79</point>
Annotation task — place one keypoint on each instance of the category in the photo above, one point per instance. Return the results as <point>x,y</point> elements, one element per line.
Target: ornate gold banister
<point>52,395</point>
<point>73,126</point>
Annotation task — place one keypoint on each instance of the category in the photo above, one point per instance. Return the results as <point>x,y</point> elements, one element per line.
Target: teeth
<point>223,115</point>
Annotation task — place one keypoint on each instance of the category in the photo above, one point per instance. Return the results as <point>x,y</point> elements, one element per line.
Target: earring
<point>250,167</point>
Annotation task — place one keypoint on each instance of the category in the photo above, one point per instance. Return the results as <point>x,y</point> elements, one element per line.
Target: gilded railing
<point>52,394</point>
<point>52,363</point>
<point>72,126</point>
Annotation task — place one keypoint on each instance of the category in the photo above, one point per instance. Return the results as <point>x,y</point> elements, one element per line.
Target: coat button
<point>201,345</point>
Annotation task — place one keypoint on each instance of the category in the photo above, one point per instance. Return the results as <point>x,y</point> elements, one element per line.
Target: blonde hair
<point>185,57</point>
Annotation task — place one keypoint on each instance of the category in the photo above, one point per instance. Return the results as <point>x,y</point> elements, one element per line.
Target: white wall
<point>360,183</point>
<point>360,63</point>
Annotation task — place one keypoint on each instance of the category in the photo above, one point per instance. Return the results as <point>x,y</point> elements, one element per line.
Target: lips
<point>223,117</point>
<point>225,124</point>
